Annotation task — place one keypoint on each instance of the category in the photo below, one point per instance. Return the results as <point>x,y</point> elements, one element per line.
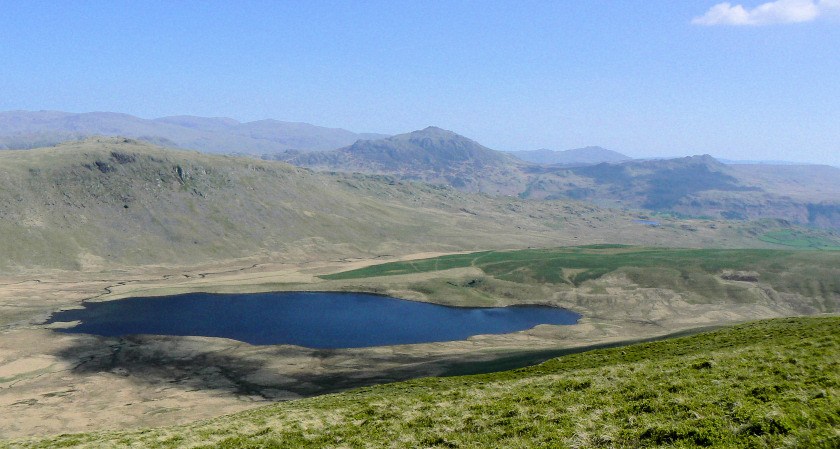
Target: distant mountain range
<point>698,186</point>
<point>26,129</point>
<point>577,156</point>
<point>695,186</point>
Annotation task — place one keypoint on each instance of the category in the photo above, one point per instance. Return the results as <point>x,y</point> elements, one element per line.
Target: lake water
<point>647,222</point>
<point>314,320</point>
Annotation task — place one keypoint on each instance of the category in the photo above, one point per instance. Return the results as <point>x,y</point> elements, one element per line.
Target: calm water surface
<point>314,320</point>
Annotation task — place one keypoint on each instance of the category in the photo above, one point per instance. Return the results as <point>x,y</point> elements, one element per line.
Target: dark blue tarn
<point>314,320</point>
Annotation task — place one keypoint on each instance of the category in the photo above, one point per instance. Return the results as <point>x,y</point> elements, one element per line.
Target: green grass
<point>418,266</point>
<point>773,383</point>
<point>692,270</point>
<point>799,239</point>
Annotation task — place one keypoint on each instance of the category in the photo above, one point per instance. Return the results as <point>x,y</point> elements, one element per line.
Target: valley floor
<point>770,383</point>
<point>52,383</point>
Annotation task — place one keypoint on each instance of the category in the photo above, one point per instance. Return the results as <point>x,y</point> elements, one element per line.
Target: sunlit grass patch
<point>701,274</point>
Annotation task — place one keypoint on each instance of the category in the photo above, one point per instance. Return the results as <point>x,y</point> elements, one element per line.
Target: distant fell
<point>577,156</point>
<point>431,154</point>
<point>694,186</point>
<point>701,186</point>
<point>434,146</point>
<point>661,184</point>
<point>33,129</point>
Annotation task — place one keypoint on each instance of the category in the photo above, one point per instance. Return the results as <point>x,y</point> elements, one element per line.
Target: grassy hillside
<point>111,202</point>
<point>106,201</point>
<point>763,384</point>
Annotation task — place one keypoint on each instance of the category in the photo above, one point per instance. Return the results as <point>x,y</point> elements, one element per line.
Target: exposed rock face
<point>741,276</point>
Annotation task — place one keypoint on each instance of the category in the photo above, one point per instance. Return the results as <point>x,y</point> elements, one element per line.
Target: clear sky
<point>751,80</point>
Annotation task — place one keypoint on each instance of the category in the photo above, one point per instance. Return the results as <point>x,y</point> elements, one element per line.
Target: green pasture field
<point>801,240</point>
<point>698,270</point>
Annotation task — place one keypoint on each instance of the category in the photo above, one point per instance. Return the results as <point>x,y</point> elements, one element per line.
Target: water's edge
<point>309,319</point>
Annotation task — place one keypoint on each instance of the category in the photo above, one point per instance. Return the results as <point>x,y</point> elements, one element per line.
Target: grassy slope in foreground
<point>762,384</point>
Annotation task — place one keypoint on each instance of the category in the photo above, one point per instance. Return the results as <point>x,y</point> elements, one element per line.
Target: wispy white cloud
<point>779,11</point>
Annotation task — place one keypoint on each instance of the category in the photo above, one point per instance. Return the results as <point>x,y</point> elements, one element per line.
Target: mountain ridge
<point>694,186</point>
<point>691,186</point>
<point>34,129</point>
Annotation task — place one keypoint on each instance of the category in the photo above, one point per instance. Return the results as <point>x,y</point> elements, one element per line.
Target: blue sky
<point>750,80</point>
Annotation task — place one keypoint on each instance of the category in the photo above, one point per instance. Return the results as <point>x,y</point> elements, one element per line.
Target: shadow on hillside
<point>283,372</point>
<point>227,366</point>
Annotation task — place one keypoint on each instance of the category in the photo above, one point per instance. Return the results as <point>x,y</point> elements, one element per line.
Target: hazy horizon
<point>665,156</point>
<point>746,81</point>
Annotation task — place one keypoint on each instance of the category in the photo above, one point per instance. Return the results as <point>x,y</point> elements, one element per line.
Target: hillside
<point>764,384</point>
<point>113,201</point>
<point>30,129</point>
<point>696,186</point>
<point>577,156</point>
<point>702,186</point>
<point>106,201</point>
<point>653,185</point>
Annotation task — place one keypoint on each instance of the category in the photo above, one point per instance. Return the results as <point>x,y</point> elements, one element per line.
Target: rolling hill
<point>30,129</point>
<point>108,201</point>
<point>104,201</point>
